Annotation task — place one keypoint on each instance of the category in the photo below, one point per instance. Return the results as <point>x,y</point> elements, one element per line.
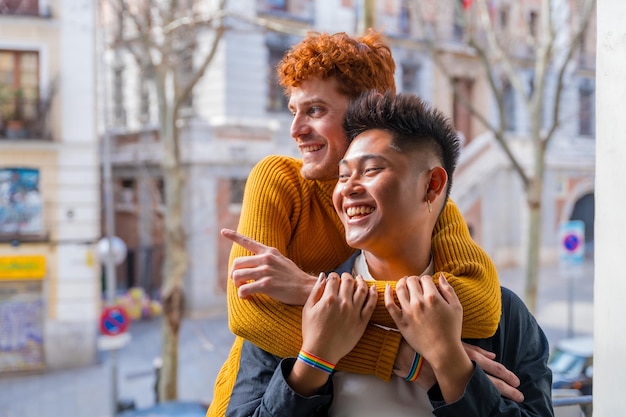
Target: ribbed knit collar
<point>360,267</point>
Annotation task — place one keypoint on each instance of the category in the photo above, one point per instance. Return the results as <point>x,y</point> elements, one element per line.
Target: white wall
<point>610,224</point>
<point>71,335</point>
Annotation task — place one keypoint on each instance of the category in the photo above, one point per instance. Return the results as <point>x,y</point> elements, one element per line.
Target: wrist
<point>306,379</point>
<point>307,284</point>
<point>316,362</point>
<point>452,368</point>
<point>415,368</point>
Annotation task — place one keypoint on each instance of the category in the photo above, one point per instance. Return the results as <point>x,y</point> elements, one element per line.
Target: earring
<point>430,209</point>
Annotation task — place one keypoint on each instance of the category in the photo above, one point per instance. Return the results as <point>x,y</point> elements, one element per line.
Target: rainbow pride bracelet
<point>416,366</point>
<point>316,362</point>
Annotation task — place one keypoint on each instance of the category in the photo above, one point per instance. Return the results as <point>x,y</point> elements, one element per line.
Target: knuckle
<point>273,252</point>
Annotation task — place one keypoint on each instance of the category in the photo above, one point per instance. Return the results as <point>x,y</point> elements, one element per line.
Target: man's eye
<point>371,170</point>
<point>315,110</point>
<point>343,176</point>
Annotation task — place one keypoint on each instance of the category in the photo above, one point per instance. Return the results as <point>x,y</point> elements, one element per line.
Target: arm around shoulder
<point>469,270</point>
<point>264,321</point>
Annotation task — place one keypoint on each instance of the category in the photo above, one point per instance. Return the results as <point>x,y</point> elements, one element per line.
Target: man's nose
<point>299,126</point>
<point>352,186</point>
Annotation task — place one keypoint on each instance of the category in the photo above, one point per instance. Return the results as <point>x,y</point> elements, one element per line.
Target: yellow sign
<point>22,267</point>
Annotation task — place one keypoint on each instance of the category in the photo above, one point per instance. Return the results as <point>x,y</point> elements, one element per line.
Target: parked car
<point>571,362</point>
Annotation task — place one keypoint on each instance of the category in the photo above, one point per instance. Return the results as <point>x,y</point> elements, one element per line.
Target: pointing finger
<point>244,241</point>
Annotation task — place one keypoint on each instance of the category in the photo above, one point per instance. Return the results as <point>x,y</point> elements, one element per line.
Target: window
<point>508,98</point>
<point>275,4</point>
<point>404,23</point>
<point>160,186</point>
<point>237,187</point>
<point>24,7</point>
<point>119,112</point>
<point>20,202</point>
<point>586,99</point>
<point>144,100</point>
<point>533,18</point>
<point>276,99</point>
<point>127,192</point>
<point>19,92</point>
<point>145,83</point>
<point>461,114</point>
<point>186,73</point>
<point>503,17</point>
<point>458,28</point>
<point>410,78</point>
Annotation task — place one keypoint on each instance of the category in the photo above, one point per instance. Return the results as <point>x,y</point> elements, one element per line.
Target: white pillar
<point>610,222</point>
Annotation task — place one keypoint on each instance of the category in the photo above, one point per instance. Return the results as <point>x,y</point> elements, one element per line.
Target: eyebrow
<point>363,158</point>
<point>308,102</point>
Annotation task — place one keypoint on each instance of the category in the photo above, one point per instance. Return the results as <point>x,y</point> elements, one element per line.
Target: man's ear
<point>436,183</point>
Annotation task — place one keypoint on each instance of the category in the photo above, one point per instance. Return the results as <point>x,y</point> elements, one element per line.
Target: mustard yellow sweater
<point>283,210</point>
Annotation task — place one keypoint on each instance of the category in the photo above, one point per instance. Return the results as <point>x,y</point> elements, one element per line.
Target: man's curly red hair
<point>359,64</point>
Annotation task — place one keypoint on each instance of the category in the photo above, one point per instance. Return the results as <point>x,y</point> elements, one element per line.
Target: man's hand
<point>336,315</point>
<point>268,272</point>
<point>333,320</point>
<point>504,380</point>
<point>430,320</point>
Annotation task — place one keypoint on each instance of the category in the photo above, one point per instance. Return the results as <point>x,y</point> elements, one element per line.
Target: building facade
<point>238,115</point>
<point>49,182</point>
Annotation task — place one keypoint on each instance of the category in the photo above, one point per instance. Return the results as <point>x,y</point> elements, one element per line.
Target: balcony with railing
<point>24,118</point>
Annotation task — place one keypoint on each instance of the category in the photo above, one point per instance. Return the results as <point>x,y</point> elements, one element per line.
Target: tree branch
<point>576,40</point>
<point>187,89</point>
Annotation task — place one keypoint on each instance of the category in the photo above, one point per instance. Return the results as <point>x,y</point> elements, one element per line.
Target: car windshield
<point>566,363</point>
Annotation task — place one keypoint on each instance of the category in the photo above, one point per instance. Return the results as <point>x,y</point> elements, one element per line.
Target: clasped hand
<point>336,315</point>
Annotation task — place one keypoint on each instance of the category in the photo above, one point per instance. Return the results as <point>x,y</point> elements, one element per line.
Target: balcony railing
<point>26,119</point>
<point>585,402</point>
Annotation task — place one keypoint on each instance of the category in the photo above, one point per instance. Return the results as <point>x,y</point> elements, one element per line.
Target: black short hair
<point>412,122</point>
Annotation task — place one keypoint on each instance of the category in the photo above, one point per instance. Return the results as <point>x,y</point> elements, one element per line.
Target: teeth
<point>311,148</point>
<point>359,211</point>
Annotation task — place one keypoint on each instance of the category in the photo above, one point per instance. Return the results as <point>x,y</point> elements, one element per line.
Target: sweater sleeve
<point>270,199</point>
<point>469,270</point>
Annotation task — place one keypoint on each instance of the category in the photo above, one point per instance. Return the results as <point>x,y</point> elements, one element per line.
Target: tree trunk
<point>366,20</point>
<point>534,194</point>
<point>532,248</point>
<point>168,377</point>
<point>175,263</point>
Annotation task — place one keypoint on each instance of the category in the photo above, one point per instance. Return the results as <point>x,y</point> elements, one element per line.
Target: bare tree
<point>160,36</point>
<point>540,42</point>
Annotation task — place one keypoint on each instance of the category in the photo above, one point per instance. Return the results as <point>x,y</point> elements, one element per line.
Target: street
<point>86,392</point>
<point>204,344</point>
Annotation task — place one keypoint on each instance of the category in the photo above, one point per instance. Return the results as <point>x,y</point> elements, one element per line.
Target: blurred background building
<point>52,52</point>
<point>238,115</point>
<point>49,185</point>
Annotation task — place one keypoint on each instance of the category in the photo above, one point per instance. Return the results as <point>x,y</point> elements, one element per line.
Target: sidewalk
<point>86,392</point>
<point>204,345</point>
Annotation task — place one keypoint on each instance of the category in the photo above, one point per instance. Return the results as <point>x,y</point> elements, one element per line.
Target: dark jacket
<point>519,344</point>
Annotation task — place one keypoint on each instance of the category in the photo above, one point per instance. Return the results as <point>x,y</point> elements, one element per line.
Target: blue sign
<point>572,242</point>
<point>114,321</point>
